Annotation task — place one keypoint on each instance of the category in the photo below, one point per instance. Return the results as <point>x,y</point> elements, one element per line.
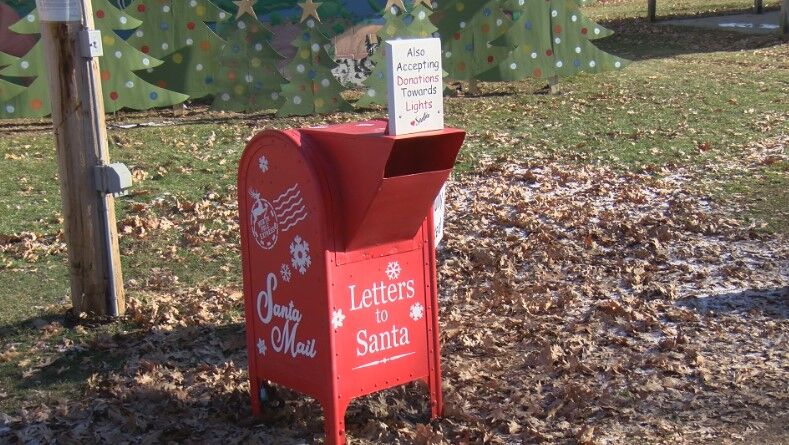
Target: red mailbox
<point>338,261</point>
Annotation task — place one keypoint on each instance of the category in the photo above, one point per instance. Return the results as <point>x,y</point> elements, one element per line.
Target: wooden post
<point>553,83</point>
<point>652,10</point>
<point>473,87</point>
<point>81,144</point>
<point>758,6</point>
<point>784,19</point>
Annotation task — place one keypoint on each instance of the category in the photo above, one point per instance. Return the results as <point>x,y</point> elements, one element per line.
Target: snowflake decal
<point>284,271</point>
<point>300,255</point>
<point>417,311</point>
<point>263,164</point>
<point>393,270</point>
<point>261,347</point>
<point>337,319</point>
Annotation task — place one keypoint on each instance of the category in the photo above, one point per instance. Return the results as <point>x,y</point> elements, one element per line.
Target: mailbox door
<point>283,227</point>
<point>382,319</point>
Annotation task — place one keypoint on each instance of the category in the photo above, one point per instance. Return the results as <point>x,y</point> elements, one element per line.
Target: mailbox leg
<point>254,390</point>
<point>436,399</point>
<point>334,425</point>
<point>434,377</point>
<point>434,384</point>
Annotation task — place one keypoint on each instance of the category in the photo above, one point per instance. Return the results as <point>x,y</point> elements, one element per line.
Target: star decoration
<point>261,347</point>
<point>427,3</point>
<point>310,9</point>
<point>398,3</point>
<point>245,7</point>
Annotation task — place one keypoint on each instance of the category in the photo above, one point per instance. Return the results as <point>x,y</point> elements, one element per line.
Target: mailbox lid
<point>373,127</point>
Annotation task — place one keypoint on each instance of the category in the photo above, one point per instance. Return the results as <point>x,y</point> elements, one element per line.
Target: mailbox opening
<point>385,185</point>
<point>419,155</point>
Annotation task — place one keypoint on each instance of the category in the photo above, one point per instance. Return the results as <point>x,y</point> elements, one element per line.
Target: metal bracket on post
<point>90,43</point>
<point>115,179</point>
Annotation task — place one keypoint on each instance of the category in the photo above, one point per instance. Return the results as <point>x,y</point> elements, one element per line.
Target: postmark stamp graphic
<point>269,218</point>
<point>265,227</point>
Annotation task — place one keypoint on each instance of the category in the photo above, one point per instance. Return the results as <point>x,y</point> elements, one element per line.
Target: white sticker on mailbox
<point>438,214</point>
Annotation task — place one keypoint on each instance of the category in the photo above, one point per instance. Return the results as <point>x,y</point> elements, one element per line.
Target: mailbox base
<point>334,402</point>
<point>334,411</point>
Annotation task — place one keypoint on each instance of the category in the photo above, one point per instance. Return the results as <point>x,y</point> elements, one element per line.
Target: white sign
<point>438,214</point>
<point>59,10</point>
<point>415,85</point>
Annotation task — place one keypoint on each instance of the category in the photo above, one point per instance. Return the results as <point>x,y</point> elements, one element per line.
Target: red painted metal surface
<point>338,261</point>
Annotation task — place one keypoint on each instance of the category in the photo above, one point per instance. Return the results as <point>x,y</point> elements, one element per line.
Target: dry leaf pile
<point>583,305</point>
<point>29,247</point>
<point>579,305</point>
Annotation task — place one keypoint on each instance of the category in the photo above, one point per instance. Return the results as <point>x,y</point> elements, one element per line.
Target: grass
<point>694,99</point>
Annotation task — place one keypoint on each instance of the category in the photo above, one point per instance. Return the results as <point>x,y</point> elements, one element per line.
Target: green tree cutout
<point>467,27</point>
<point>7,59</point>
<point>312,88</point>
<point>551,39</point>
<point>419,24</point>
<point>248,78</point>
<point>8,89</point>
<point>175,32</point>
<point>121,87</point>
<point>397,24</point>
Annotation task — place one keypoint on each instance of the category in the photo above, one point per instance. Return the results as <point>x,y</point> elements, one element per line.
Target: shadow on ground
<point>106,352</point>
<point>177,384</point>
<point>637,39</point>
<point>773,303</point>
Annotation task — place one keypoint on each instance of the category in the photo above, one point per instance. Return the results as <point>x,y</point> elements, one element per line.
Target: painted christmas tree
<point>175,32</point>
<point>312,88</point>
<point>7,59</point>
<point>8,89</point>
<point>418,20</point>
<point>467,27</point>
<point>392,28</point>
<point>248,78</point>
<point>598,31</point>
<point>397,24</point>
<point>121,87</point>
<point>551,39</point>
